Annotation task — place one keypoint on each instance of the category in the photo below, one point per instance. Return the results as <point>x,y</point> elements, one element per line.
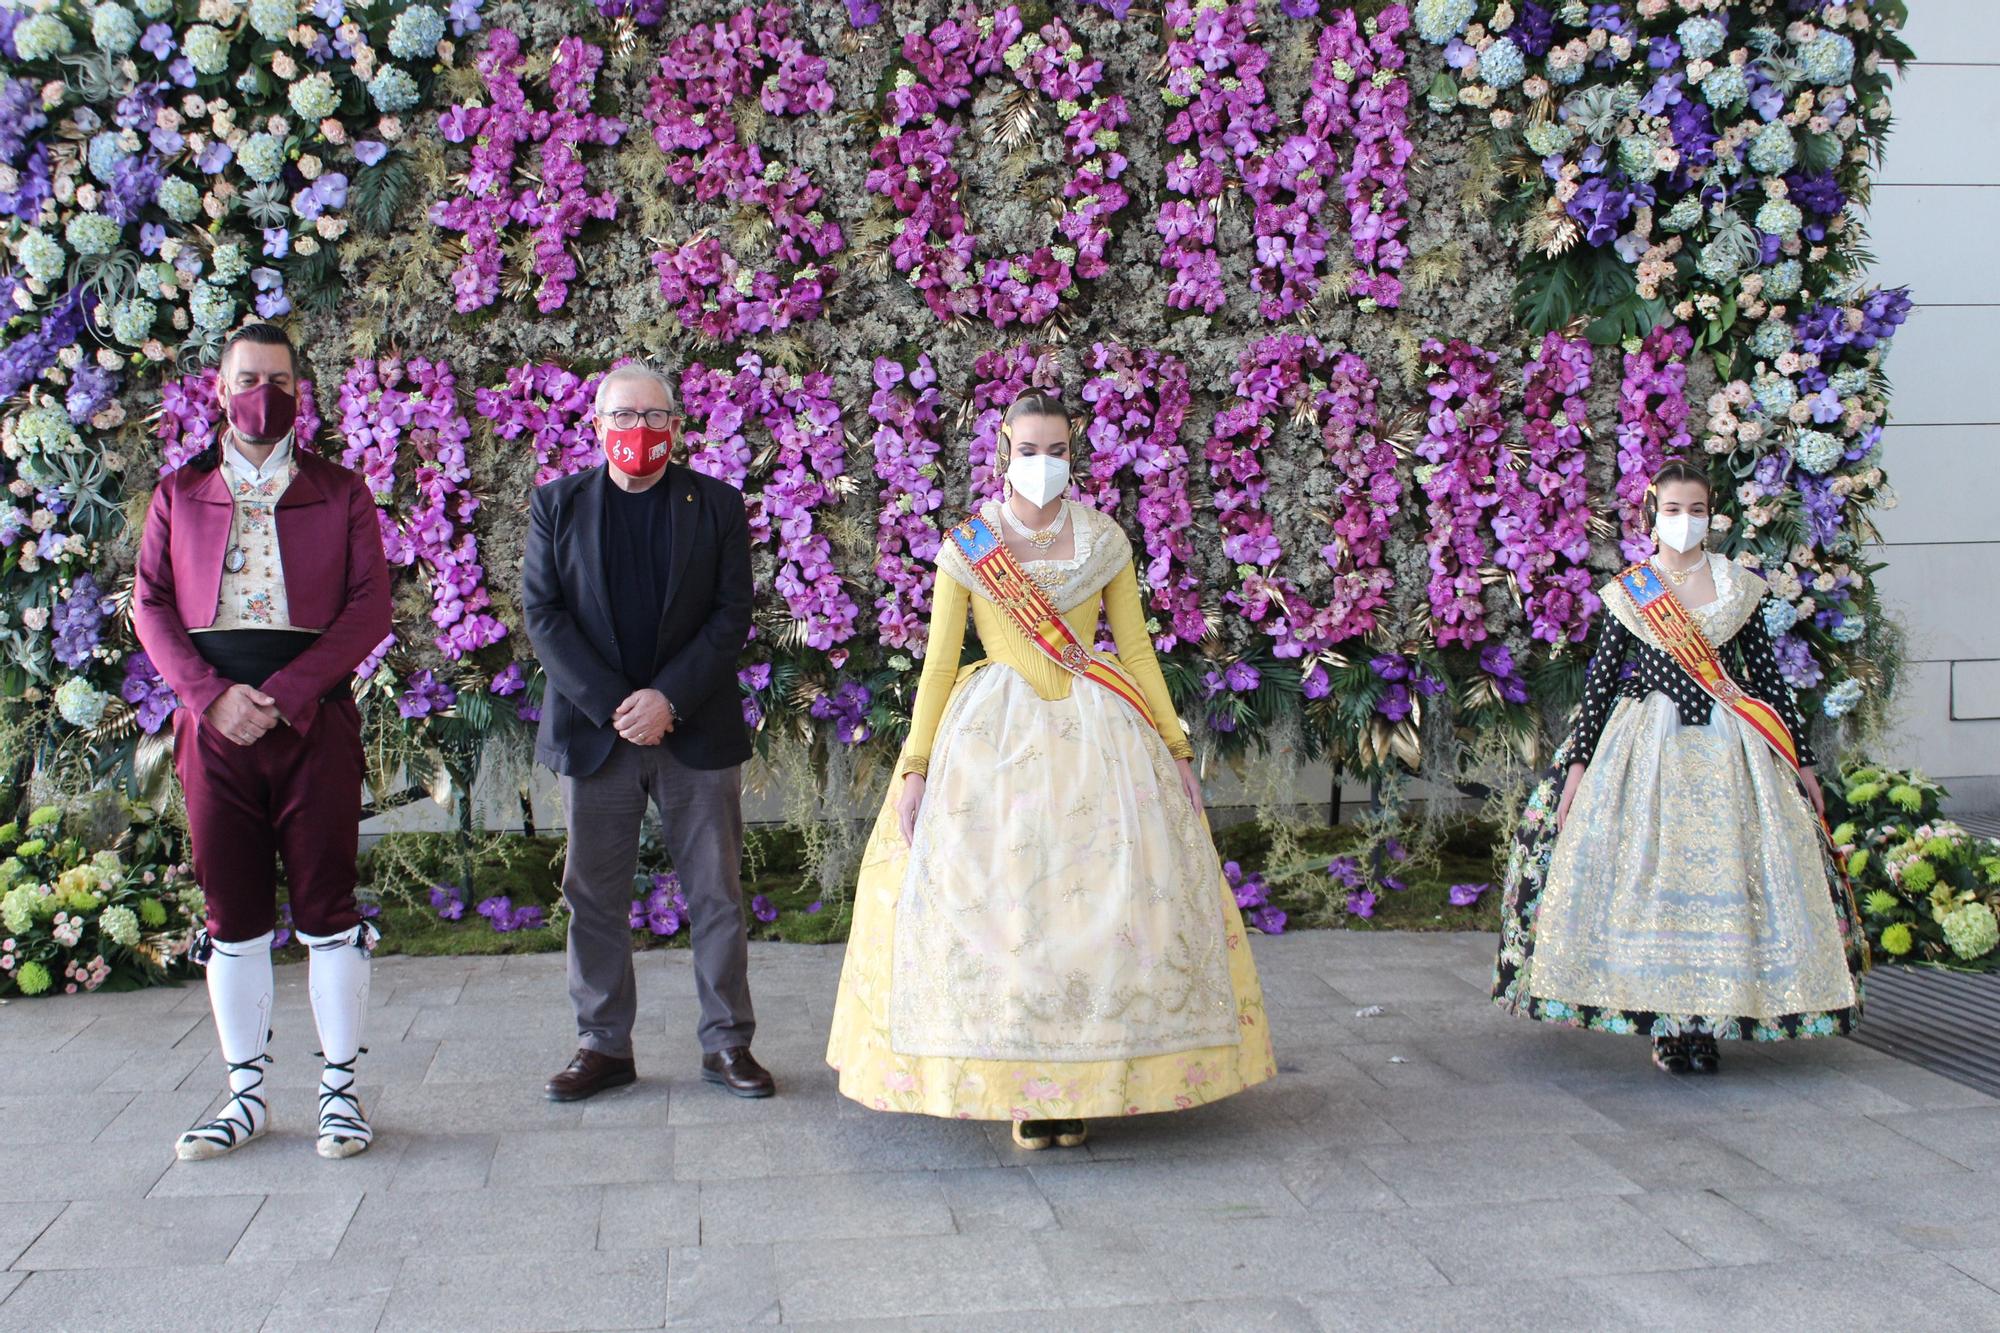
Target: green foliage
<point>1921,880</point>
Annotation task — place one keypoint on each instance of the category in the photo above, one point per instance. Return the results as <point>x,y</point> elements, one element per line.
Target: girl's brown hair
<point>1676,471</point>
<point>1031,403</point>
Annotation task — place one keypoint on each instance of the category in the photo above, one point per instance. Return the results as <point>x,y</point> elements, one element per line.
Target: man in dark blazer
<point>636,590</point>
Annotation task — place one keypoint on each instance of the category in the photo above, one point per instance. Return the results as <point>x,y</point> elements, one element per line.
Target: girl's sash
<point>1676,632</point>
<point>1016,594</point>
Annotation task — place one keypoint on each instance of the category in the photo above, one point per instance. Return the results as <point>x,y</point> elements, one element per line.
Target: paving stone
<point>1825,1148</point>
<point>339,1297</point>
<point>1923,1291</point>
<point>9,1281</point>
<point>201,1299</point>
<point>995,1200</point>
<point>1096,1269</point>
<point>138,1031</point>
<point>1675,1159</point>
<point>1969,1136</point>
<point>20,1224</point>
<point>488,1221</point>
<point>1953,1211</point>
<point>469,1108</point>
<point>1718,1230</point>
<point>1492,1244</point>
<point>1485,1171</point>
<point>781,1209</point>
<point>148,1117</point>
<point>1259,1257</point>
<point>284,1161</point>
<point>1817,1218</point>
<point>722,1285</point>
<point>141,1233</point>
<point>1363,986</point>
<point>582,1156</point>
<point>155,1071</point>
<point>1981,1265</point>
<point>447,1162</point>
<point>1543,1307</point>
<point>879,1142</point>
<point>1480,1112</point>
<point>1110,1194</point>
<point>84,1171</point>
<point>53,1072</point>
<point>913,1275</point>
<point>1335,1180</point>
<point>65,1118</point>
<point>652,1215</point>
<point>530,1291</point>
<point>293,1228</point>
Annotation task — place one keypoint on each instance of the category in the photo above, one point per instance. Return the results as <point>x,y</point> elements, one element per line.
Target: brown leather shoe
<point>590,1073</point>
<point>737,1070</point>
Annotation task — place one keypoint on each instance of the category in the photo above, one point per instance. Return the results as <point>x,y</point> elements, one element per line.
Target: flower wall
<point>1374,320</point>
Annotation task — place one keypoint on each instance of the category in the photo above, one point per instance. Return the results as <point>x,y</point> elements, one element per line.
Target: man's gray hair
<point>628,372</point>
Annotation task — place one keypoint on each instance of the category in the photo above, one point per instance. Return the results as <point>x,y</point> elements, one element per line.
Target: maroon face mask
<point>263,413</point>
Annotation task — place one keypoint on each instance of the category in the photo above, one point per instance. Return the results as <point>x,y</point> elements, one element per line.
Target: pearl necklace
<point>1042,540</point>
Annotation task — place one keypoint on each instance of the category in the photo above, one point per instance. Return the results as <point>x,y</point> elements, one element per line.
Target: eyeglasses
<point>626,419</point>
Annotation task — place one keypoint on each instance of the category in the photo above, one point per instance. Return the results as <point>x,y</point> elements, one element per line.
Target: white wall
<point>1937,199</point>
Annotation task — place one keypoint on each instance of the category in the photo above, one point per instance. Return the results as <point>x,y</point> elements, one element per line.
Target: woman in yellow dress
<point>1042,933</point>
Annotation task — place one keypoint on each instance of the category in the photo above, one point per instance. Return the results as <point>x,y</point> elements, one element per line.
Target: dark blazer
<point>702,632</point>
<point>335,577</point>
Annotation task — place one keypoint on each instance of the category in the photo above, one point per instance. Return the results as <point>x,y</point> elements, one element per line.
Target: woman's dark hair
<point>1677,471</point>
<point>261,335</point>
<point>1031,403</point>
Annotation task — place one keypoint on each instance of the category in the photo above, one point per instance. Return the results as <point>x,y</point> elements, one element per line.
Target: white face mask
<point>1038,477</point>
<point>1681,532</point>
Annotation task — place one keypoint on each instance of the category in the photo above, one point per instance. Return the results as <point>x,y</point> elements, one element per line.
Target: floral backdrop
<point>1374,318</point>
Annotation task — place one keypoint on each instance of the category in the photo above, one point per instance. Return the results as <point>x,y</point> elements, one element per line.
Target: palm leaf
<point>379,193</point>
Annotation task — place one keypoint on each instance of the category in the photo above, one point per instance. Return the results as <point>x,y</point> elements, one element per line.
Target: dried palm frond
<point>1018,118</point>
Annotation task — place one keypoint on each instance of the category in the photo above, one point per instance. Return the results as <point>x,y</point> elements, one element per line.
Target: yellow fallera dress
<point>1057,940</point>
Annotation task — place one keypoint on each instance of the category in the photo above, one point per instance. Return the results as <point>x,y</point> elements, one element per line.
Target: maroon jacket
<point>335,576</point>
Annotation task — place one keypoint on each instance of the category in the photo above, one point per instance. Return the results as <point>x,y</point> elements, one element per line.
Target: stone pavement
<point>1438,1166</point>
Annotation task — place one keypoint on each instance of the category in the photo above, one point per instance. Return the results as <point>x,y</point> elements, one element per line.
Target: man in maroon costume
<point>262,585</point>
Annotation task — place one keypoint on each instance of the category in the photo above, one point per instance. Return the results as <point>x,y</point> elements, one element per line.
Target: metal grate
<point>1947,1022</point>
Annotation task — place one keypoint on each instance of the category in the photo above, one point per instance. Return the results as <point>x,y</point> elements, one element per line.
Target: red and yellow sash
<point>1678,634</point>
<point>1016,594</point>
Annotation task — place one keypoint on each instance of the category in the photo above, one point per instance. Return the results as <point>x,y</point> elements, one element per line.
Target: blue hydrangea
<point>1842,700</point>
<point>273,18</point>
<point>44,430</point>
<point>1849,383</point>
<point>156,9</point>
<point>92,234</point>
<point>1684,214</point>
<point>314,97</point>
<point>41,256</point>
<point>1635,156</point>
<point>1544,137</point>
<point>1701,37</point>
<point>392,90</point>
<point>154,278</point>
<point>114,29</point>
<point>1779,616</point>
<point>1775,394</point>
<point>207,49</point>
<point>1501,63</point>
<point>1850,629</point>
<point>1566,74</point>
<point>1827,59</point>
<point>212,307</point>
<point>81,705</point>
<point>178,199</point>
<point>1817,452</point>
<point>228,263</point>
<point>416,33</point>
<point>1780,217</point>
<point>251,84</point>
<point>1725,87</point>
<point>262,157</point>
<point>41,36</point>
<point>1438,21</point>
<point>1720,262</point>
<point>105,154</point>
<point>1772,340</point>
<point>1783,279</point>
<point>1773,150</point>
<point>132,321</point>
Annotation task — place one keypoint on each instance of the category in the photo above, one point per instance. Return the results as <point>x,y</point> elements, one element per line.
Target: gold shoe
<point>1034,1135</point>
<point>1071,1133</point>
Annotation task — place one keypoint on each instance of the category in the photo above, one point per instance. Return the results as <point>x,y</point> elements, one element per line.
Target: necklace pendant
<point>234,560</point>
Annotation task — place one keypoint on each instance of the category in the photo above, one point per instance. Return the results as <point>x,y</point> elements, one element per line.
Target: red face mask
<point>263,413</point>
<point>638,452</point>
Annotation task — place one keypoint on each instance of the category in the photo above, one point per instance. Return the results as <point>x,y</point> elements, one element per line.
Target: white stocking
<point>239,994</point>
<point>339,981</point>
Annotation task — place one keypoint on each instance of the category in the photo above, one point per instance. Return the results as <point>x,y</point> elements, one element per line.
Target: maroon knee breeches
<point>290,796</point>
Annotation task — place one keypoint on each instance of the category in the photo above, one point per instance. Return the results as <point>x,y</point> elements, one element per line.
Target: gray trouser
<point>701,821</point>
